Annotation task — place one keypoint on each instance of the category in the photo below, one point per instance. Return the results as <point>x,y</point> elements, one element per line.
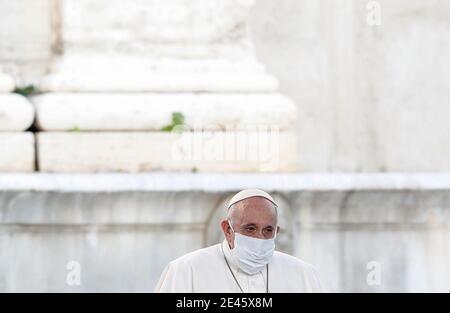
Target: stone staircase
<point>136,91</point>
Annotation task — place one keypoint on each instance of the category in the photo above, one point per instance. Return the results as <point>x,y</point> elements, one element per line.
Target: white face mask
<point>252,254</point>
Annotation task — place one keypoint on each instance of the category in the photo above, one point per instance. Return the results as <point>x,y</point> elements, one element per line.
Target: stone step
<point>225,182</point>
<point>235,151</point>
<point>17,152</point>
<point>16,112</point>
<point>96,111</point>
<point>105,73</point>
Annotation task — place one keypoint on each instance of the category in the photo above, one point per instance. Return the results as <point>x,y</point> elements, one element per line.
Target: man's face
<point>255,217</point>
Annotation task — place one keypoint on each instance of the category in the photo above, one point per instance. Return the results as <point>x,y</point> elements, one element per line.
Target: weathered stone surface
<point>28,33</point>
<point>371,98</point>
<point>361,89</point>
<point>78,209</point>
<point>96,111</point>
<point>6,83</point>
<point>37,258</point>
<point>108,25</point>
<point>169,46</point>
<point>16,152</point>
<point>172,46</point>
<point>106,73</point>
<point>123,239</point>
<point>25,29</point>
<point>265,149</point>
<point>16,112</point>
<point>327,186</point>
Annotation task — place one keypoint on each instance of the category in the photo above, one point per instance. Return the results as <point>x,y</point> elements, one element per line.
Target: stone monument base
<point>263,150</point>
<point>17,152</point>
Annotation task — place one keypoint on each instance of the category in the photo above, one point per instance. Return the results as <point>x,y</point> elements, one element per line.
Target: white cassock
<point>205,270</point>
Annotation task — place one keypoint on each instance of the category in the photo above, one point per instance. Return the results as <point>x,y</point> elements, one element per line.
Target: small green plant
<point>194,170</point>
<point>25,91</point>
<point>75,129</point>
<point>177,123</point>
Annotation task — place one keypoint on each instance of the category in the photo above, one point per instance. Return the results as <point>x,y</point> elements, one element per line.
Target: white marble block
<point>256,150</point>
<point>97,111</point>
<point>17,153</point>
<point>16,112</point>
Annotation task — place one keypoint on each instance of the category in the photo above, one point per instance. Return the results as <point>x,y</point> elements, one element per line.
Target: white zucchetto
<point>249,193</point>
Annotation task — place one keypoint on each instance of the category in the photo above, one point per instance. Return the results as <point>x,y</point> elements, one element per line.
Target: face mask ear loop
<point>276,232</point>
<point>229,223</point>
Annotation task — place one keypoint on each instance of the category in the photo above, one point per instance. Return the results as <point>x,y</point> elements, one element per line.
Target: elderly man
<point>245,261</point>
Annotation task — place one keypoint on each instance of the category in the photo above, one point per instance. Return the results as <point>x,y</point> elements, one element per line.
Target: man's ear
<point>227,232</point>
<point>225,228</point>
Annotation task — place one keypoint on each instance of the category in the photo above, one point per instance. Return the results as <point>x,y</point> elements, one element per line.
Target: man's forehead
<point>255,210</point>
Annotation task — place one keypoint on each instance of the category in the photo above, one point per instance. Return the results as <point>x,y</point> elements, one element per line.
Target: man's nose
<point>260,235</point>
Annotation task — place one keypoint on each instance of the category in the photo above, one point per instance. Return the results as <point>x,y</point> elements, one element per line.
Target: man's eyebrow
<point>253,224</point>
